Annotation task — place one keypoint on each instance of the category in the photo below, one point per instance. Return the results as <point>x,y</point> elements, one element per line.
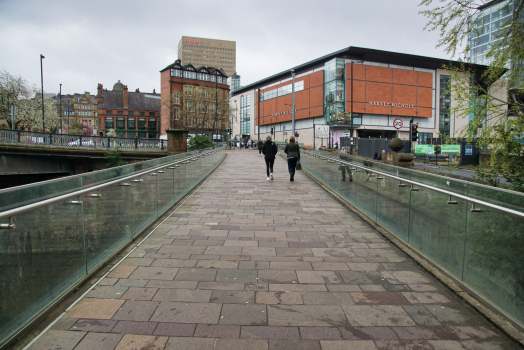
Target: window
<point>176,98</point>
<point>141,123</point>
<point>151,113</point>
<point>120,112</point>
<point>109,112</point>
<point>131,123</point>
<point>110,123</point>
<point>96,122</point>
<point>151,124</point>
<point>120,123</point>
<point>189,106</point>
<point>141,113</point>
<point>188,90</point>
<point>175,114</point>
<point>131,113</point>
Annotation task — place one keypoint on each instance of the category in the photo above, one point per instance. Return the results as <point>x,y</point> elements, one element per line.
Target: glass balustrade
<point>54,247</point>
<point>480,246</point>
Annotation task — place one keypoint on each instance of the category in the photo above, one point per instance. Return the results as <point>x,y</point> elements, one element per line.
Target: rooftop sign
<point>191,42</point>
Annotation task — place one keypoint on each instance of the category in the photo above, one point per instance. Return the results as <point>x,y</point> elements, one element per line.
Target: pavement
<point>247,263</point>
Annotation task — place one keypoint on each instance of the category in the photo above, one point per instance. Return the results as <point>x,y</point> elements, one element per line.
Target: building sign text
<point>386,104</point>
<point>191,42</point>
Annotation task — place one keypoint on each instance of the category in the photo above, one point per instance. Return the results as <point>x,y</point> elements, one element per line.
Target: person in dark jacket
<point>293,156</point>
<point>259,145</point>
<point>270,150</point>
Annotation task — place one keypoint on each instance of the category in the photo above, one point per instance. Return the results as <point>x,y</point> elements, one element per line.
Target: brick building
<point>130,114</point>
<point>196,99</point>
<point>79,108</point>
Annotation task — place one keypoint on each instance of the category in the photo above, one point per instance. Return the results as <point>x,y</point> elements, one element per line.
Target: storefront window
<point>120,123</point>
<point>131,123</point>
<point>110,124</point>
<point>141,123</point>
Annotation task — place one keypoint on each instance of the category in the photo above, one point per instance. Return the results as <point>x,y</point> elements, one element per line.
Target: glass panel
<point>393,206</point>
<point>143,201</point>
<point>107,223</point>
<point>40,260</point>
<point>165,189</point>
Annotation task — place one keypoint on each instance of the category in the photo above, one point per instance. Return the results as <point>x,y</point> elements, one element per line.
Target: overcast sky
<point>91,42</point>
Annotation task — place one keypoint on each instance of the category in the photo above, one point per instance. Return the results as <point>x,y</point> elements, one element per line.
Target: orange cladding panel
<point>348,71</point>
<point>315,112</point>
<point>424,112</point>
<point>302,114</point>
<point>359,72</point>
<point>404,77</point>
<point>359,93</point>
<point>359,107</point>
<point>425,79</point>
<point>270,107</point>
<point>404,94</point>
<point>379,74</point>
<point>306,81</point>
<point>408,112</point>
<point>283,103</point>
<point>317,78</point>
<point>302,99</point>
<point>378,92</point>
<point>316,96</point>
<point>348,90</point>
<point>424,98</point>
<point>378,109</point>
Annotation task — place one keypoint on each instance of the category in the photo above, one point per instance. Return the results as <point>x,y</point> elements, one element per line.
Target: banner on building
<point>322,131</point>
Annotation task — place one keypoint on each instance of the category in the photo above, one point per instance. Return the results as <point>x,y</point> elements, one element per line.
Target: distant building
<point>234,82</point>
<point>130,114</point>
<point>195,99</point>
<point>78,107</point>
<point>492,18</point>
<point>208,53</point>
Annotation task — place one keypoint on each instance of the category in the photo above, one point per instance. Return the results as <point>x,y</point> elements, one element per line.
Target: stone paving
<point>247,263</point>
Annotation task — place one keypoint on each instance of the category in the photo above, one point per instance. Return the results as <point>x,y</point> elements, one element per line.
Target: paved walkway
<point>252,264</point>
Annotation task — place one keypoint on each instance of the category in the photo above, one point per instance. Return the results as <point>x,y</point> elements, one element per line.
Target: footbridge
<point>200,251</point>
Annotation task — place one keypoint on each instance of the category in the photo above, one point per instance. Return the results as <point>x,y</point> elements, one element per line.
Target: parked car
<point>85,143</point>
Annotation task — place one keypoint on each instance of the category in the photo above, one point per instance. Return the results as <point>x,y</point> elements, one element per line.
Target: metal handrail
<point>436,189</point>
<point>26,208</point>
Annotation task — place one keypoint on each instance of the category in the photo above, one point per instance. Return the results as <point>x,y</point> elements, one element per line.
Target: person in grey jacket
<point>293,156</point>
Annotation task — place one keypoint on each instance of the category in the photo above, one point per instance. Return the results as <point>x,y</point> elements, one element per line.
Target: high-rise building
<point>489,23</point>
<point>208,53</point>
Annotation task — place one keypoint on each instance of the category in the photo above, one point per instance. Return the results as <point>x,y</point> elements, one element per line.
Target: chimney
<point>99,99</point>
<point>154,91</point>
<point>125,100</point>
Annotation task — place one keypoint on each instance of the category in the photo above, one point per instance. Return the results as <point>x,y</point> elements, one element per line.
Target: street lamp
<point>60,107</point>
<point>42,79</point>
<point>293,102</point>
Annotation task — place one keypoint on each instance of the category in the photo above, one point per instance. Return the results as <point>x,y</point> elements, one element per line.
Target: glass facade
<point>444,105</point>
<point>245,114</point>
<point>488,25</point>
<point>334,91</point>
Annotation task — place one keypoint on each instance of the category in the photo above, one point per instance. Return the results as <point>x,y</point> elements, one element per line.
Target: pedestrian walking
<point>259,145</point>
<point>249,144</point>
<point>293,156</point>
<point>269,149</point>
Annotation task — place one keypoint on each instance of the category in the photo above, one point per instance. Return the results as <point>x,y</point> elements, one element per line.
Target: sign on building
<point>322,131</point>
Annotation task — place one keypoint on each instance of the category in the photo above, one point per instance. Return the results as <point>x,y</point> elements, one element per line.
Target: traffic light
<point>414,132</point>
<point>297,134</point>
<point>228,131</point>
<point>271,131</point>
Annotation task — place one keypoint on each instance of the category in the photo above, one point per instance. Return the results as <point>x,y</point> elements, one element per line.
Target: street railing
<point>50,140</point>
<point>473,232</point>
<point>55,234</point>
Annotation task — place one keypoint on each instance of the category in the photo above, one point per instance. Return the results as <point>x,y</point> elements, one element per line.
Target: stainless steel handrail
<point>26,208</point>
<point>436,189</point>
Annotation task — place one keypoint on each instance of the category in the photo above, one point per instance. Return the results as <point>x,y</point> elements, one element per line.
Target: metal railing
<point>55,234</point>
<point>50,140</point>
<point>473,232</point>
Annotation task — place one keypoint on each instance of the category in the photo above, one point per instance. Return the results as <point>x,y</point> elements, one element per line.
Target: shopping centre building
<point>356,91</point>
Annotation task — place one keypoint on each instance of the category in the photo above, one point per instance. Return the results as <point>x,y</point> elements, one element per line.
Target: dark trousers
<point>260,151</point>
<point>269,166</point>
<point>292,164</point>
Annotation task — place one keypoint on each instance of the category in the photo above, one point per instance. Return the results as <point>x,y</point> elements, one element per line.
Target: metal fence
<point>50,140</point>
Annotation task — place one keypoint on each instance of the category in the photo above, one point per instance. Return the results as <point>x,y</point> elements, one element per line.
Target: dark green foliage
<point>200,142</point>
<point>114,158</point>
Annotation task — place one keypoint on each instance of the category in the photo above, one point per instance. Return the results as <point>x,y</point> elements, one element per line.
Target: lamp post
<point>60,107</point>
<point>42,79</point>
<point>216,105</point>
<point>332,125</point>
<point>293,102</point>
